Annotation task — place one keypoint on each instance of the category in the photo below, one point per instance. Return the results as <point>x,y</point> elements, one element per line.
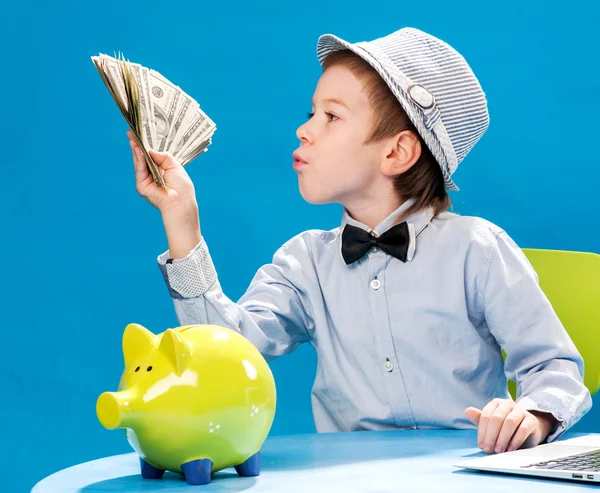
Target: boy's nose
<point>303,134</point>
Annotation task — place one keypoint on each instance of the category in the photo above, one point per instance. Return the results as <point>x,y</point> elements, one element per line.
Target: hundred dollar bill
<point>183,117</point>
<point>165,97</point>
<point>138,72</point>
<point>199,130</point>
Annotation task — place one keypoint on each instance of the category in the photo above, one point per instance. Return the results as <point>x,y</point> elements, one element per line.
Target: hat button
<point>421,96</point>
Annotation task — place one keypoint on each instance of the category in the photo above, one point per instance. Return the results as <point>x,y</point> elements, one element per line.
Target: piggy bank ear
<point>175,349</point>
<point>137,342</point>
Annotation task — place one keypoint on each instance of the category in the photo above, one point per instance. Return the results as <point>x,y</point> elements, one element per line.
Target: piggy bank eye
<point>137,369</point>
<point>149,368</point>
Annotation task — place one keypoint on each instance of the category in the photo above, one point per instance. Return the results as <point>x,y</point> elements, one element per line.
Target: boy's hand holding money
<point>176,203</point>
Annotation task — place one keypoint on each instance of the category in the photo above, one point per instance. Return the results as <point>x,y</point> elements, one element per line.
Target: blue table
<point>361,462</point>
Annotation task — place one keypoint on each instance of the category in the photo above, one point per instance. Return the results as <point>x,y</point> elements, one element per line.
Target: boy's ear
<point>404,152</point>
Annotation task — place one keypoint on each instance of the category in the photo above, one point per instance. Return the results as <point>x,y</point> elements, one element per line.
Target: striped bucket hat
<point>433,83</point>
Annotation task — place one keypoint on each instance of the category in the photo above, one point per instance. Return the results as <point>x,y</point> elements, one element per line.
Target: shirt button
<point>375,283</point>
<point>389,366</point>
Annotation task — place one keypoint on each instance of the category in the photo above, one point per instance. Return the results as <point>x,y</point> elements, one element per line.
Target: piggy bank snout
<point>109,409</point>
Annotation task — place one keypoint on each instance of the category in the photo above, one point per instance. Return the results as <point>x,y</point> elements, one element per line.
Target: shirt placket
<point>388,360</point>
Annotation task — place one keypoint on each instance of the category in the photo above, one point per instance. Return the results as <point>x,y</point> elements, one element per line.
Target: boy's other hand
<point>503,425</point>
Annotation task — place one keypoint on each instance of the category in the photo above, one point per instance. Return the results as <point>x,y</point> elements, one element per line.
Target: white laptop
<point>576,459</point>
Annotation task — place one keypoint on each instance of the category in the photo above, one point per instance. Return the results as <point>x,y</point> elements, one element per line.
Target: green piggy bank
<point>192,400</point>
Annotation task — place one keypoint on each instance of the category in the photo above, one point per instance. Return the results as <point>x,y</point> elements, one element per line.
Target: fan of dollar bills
<point>160,114</point>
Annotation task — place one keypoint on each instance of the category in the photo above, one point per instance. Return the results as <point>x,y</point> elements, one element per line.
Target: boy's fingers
<point>473,415</point>
<point>163,160</point>
<point>133,145</point>
<point>141,169</point>
<point>511,424</point>
<point>158,157</point>
<point>494,425</point>
<point>132,141</point>
<point>526,429</point>
<point>139,160</point>
<point>483,421</point>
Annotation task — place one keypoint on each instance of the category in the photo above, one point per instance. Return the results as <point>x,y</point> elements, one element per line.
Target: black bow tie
<point>356,242</point>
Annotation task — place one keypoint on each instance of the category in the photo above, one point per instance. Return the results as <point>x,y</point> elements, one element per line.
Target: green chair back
<point>571,281</point>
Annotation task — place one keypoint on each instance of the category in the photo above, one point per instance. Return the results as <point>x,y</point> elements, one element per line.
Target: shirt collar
<point>418,219</point>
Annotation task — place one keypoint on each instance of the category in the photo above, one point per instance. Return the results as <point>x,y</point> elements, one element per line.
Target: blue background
<point>79,245</point>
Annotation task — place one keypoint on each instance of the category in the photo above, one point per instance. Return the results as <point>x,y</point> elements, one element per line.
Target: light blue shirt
<point>400,344</point>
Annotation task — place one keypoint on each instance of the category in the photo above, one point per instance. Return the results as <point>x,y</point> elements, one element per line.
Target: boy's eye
<point>329,115</point>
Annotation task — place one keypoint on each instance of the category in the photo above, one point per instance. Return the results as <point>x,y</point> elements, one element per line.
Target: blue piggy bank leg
<point>198,471</point>
<point>250,467</point>
<point>149,471</point>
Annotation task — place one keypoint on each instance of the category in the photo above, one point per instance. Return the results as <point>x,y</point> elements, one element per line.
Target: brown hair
<point>424,180</point>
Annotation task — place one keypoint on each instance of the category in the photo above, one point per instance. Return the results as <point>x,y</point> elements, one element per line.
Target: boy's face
<point>339,167</point>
